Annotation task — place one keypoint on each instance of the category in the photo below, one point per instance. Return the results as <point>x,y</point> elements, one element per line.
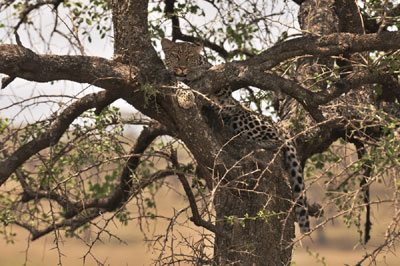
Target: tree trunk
<point>263,197</point>
<point>252,200</point>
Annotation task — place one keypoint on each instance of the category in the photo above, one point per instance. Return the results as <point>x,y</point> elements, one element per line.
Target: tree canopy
<point>326,72</point>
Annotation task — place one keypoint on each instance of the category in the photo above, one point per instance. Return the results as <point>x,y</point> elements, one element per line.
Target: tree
<point>333,79</point>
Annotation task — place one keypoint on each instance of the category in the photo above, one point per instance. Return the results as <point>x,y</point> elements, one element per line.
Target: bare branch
<point>29,8</point>
<point>388,242</point>
<point>333,44</point>
<point>21,62</point>
<point>192,201</point>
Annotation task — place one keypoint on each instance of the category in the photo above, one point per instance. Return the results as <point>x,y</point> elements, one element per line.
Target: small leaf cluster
<point>89,15</point>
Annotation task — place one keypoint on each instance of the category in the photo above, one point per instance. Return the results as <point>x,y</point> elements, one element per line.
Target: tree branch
<point>237,76</point>
<point>350,19</point>
<point>373,24</point>
<point>132,39</point>
<point>54,132</point>
<point>72,223</point>
<point>252,72</point>
<point>197,220</point>
<point>30,8</point>
<point>361,151</point>
<point>269,81</point>
<point>81,212</point>
<point>177,34</point>
<point>391,85</point>
<point>17,61</point>
<point>299,2</point>
<point>333,44</point>
<point>128,186</point>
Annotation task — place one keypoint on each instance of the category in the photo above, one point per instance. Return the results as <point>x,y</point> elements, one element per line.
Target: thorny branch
<point>387,244</point>
<point>54,133</point>
<point>197,220</point>
<point>80,212</point>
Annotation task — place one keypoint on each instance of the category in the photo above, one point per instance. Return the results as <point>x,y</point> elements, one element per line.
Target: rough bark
<point>264,197</point>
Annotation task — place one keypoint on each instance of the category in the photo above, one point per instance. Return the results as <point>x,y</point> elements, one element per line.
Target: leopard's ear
<point>199,48</point>
<point>166,44</point>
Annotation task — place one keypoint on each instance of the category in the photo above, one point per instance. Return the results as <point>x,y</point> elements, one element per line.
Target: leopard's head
<point>180,57</point>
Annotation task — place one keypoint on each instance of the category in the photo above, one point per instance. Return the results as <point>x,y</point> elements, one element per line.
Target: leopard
<point>182,58</point>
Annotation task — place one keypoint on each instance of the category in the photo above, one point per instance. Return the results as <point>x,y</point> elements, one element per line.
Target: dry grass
<point>334,245</point>
<point>337,244</point>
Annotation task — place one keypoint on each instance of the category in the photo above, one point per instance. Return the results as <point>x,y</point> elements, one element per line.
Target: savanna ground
<point>335,244</point>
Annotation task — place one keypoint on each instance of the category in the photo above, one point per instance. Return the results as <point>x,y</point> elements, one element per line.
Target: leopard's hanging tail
<point>297,183</point>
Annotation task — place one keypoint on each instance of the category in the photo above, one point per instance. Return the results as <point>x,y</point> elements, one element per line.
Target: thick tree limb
<point>275,83</point>
<point>350,19</point>
<point>237,75</point>
<point>17,61</point>
<point>22,62</point>
<point>132,39</point>
<point>333,44</point>
<point>250,72</point>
